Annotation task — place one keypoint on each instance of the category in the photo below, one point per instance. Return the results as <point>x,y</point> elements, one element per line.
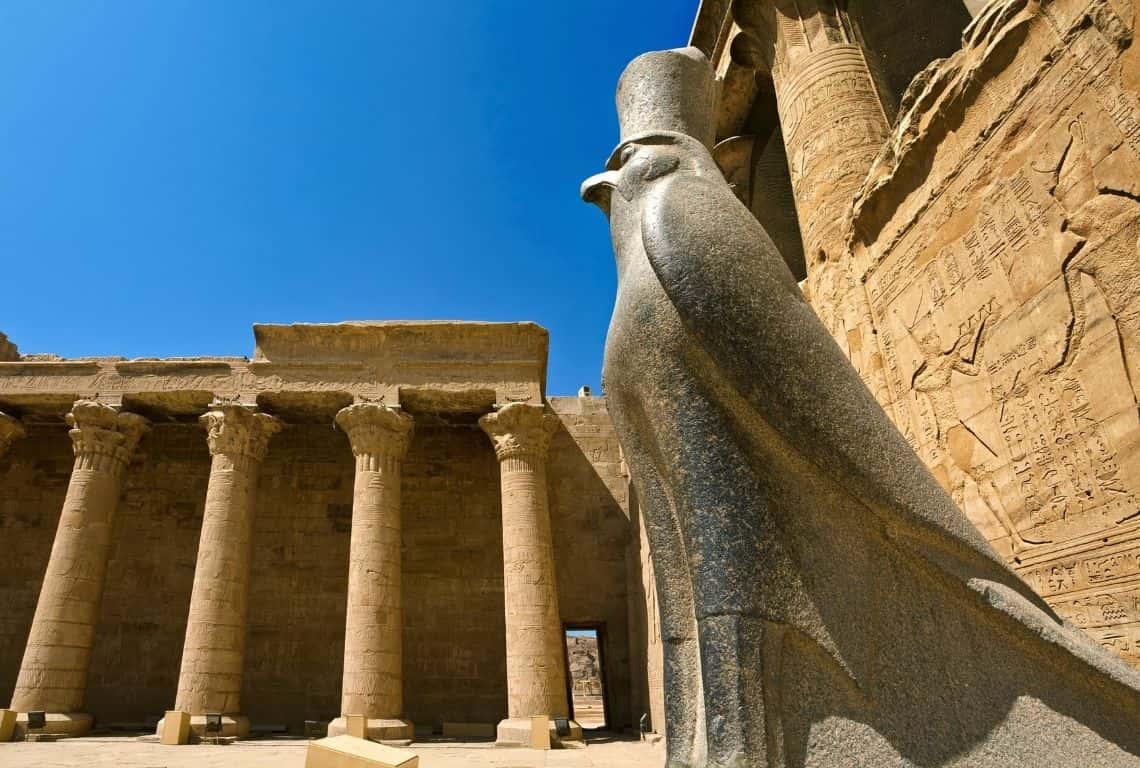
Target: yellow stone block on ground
<point>7,724</point>
<point>540,732</point>
<point>176,728</point>
<point>469,730</point>
<point>350,752</point>
<point>356,725</point>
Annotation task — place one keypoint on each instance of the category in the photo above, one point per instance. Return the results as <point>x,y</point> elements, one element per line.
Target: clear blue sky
<point>172,171</point>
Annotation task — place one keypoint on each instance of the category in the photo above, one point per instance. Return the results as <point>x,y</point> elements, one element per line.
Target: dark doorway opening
<point>585,675</point>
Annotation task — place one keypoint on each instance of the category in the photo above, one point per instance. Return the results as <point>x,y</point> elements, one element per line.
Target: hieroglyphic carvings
<point>998,240</point>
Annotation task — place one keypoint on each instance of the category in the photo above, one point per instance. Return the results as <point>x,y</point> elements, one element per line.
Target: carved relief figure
<point>955,440</point>
<point>1104,243</point>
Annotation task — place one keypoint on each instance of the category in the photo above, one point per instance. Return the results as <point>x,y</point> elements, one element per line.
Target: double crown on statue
<point>663,93</point>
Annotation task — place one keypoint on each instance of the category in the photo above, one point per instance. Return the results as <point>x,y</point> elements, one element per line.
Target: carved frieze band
<point>102,438</point>
<point>520,431</point>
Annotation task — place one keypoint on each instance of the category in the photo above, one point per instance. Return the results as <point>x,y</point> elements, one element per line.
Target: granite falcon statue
<point>823,600</point>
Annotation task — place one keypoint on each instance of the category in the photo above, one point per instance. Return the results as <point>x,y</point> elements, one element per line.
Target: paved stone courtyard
<point>126,752</point>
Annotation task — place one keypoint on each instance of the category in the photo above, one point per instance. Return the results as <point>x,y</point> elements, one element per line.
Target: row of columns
<point>53,673</point>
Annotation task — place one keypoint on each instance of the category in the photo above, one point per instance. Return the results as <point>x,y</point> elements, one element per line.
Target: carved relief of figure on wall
<point>1102,240</point>
<point>955,440</point>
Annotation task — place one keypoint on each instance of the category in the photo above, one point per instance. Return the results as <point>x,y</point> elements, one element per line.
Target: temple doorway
<point>585,675</point>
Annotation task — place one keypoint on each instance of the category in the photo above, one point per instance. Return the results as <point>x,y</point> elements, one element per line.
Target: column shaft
<point>373,683</point>
<point>214,652</point>
<point>536,672</point>
<point>835,120</point>
<point>212,658</point>
<point>536,676</point>
<point>53,674</point>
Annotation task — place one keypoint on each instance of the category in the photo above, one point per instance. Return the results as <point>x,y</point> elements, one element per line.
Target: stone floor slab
<point>125,752</point>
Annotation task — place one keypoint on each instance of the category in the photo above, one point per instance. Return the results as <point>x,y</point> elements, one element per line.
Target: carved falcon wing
<point>735,294</point>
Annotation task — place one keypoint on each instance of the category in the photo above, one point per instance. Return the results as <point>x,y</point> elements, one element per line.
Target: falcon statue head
<point>643,162</point>
<point>666,103</point>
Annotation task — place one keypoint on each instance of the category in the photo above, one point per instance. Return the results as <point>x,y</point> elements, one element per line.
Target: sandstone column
<point>834,119</point>
<point>11,430</point>
<point>53,675</point>
<point>214,651</point>
<point>374,622</point>
<point>536,674</point>
<point>832,115</point>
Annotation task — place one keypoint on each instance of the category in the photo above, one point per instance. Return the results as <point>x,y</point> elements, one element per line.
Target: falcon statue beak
<point>598,188</point>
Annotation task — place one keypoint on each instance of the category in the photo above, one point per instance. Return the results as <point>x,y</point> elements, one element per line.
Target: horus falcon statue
<point>823,601</point>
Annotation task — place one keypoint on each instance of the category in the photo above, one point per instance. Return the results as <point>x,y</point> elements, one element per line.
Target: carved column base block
<point>388,729</point>
<point>233,726</point>
<point>175,728</point>
<point>7,725</point>
<point>519,731</point>
<point>58,724</point>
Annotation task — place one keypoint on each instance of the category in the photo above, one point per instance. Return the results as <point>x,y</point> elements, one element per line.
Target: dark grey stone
<point>823,601</point>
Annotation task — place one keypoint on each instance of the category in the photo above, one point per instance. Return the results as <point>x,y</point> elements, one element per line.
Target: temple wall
<point>454,667</point>
<point>988,292</point>
<point>142,622</point>
<point>33,482</point>
<point>299,577</point>
<point>588,505</point>
<point>997,239</point>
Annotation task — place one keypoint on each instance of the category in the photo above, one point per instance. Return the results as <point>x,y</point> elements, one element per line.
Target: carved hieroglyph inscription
<point>1004,290</point>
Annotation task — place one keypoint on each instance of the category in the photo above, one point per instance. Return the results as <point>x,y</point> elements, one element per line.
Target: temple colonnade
<point>56,661</point>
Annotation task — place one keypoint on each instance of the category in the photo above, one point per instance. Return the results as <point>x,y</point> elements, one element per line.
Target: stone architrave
<point>214,652</point>
<point>11,430</point>
<point>536,675</point>
<point>53,674</point>
<point>373,683</point>
<point>832,582</point>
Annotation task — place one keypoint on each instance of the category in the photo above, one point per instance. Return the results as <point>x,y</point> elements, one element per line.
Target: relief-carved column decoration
<point>834,120</point>
<point>536,676</point>
<point>53,674</point>
<point>214,652</point>
<point>11,430</point>
<point>373,640</point>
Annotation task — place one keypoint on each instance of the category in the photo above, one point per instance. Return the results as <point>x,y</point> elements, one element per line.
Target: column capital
<point>235,430</point>
<point>11,430</point>
<point>520,429</point>
<point>376,430</point>
<point>103,438</point>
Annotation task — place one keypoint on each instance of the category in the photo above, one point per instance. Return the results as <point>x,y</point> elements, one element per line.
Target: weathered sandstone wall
<point>996,239</point>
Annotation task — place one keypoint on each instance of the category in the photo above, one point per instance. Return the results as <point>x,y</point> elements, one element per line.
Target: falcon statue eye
<point>627,153</point>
